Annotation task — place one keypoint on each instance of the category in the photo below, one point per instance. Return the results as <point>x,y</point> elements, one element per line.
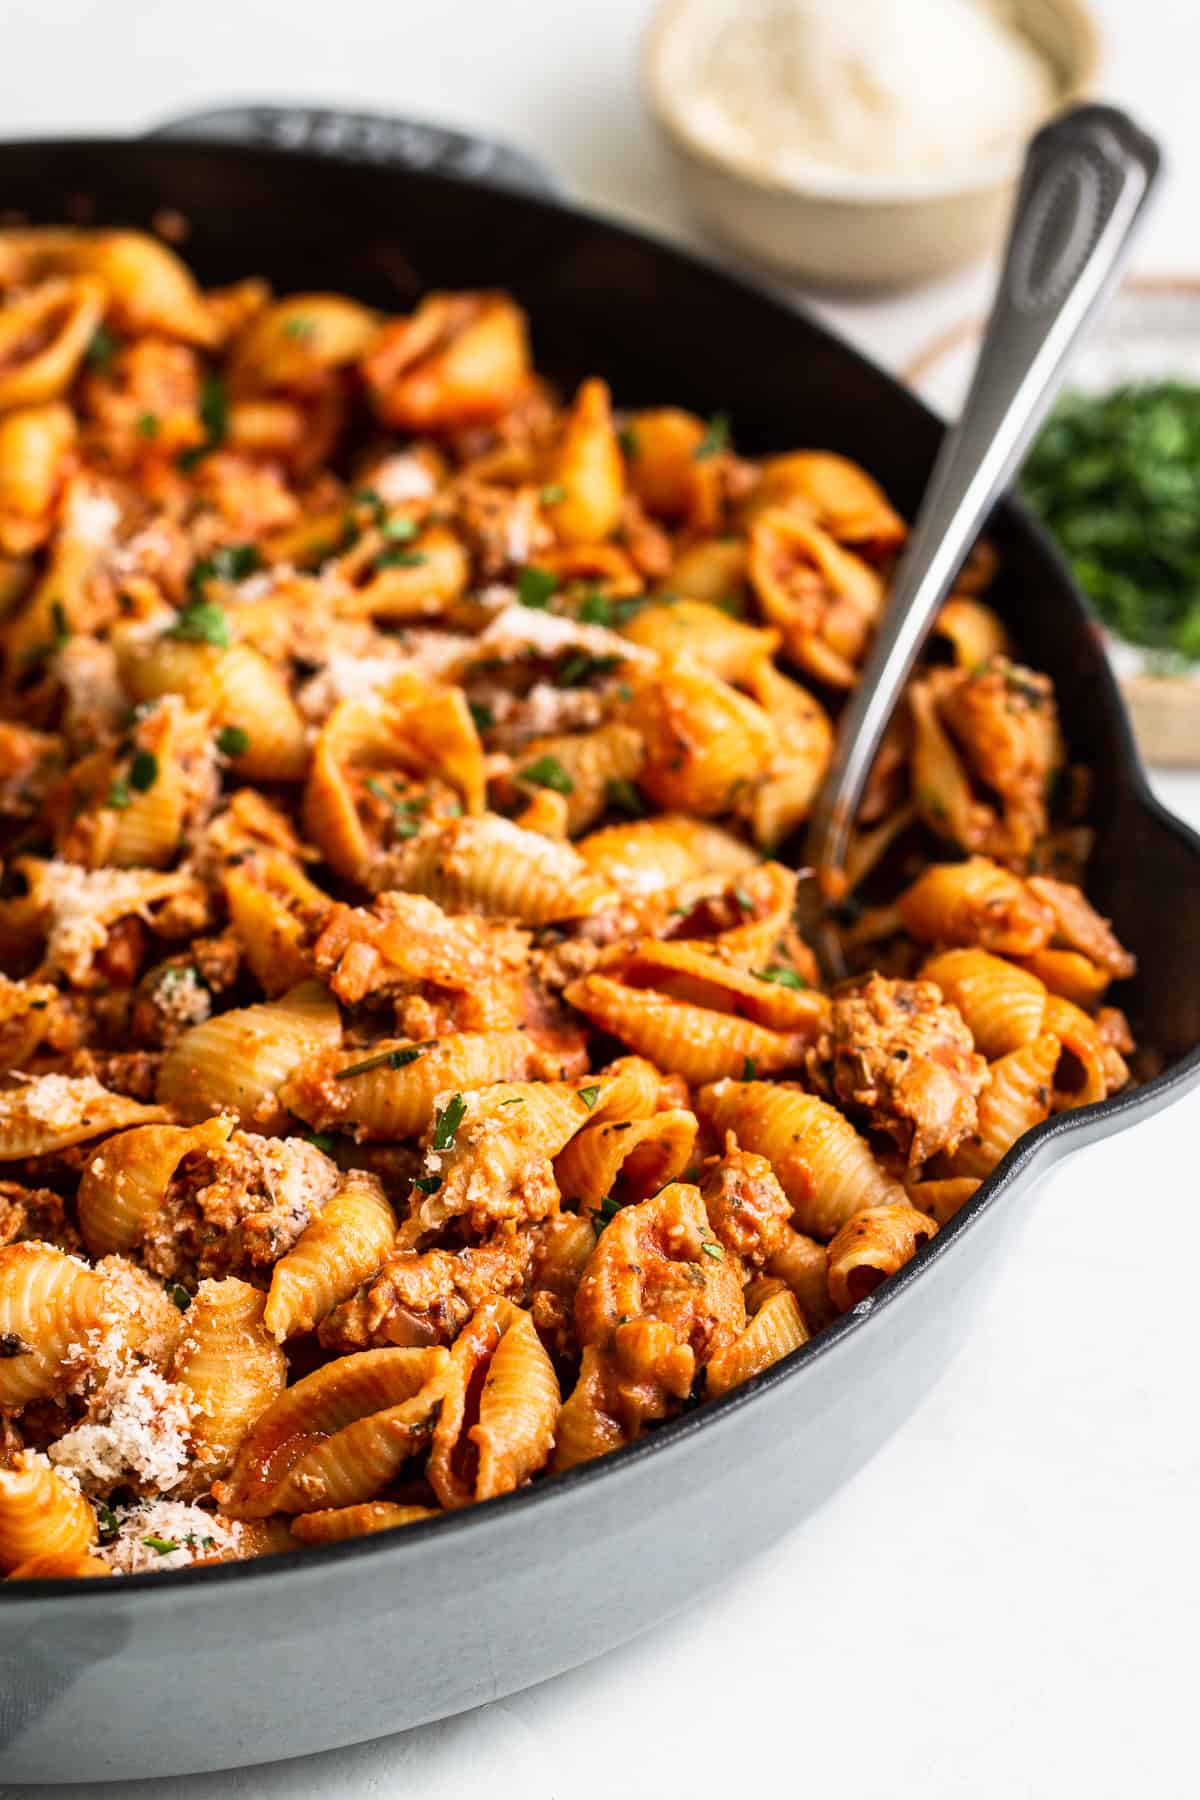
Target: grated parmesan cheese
<point>548,632</point>
<point>91,517</point>
<point>136,1431</point>
<point>797,89</point>
<point>196,1534</point>
<point>401,478</point>
<point>58,1101</point>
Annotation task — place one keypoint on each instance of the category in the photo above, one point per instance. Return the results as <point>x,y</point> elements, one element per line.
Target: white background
<point>1003,1604</point>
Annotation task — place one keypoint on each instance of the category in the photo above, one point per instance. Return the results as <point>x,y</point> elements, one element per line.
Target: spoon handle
<point>1088,176</point>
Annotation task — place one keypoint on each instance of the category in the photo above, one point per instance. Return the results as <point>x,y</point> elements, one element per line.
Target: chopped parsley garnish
<point>160,1545</point>
<point>482,714</point>
<point>713,1250</point>
<point>399,530</point>
<point>107,1520</point>
<point>102,349</point>
<point>369,498</point>
<point>715,439</point>
<point>447,1120</point>
<point>427,1184</point>
<point>782,976</point>
<point>749,1070</point>
<point>300,327</point>
<point>214,417</point>
<point>548,772</point>
<point>118,794</point>
<point>589,1096</point>
<point>606,1212</point>
<point>143,771</point>
<point>233,740</point>
<point>178,1296</point>
<point>232,562</point>
<point>400,559</point>
<point>553,494</point>
<point>404,824</point>
<point>147,425</point>
<point>517,1100</point>
<point>536,587</point>
<point>582,666</point>
<point>202,622</point>
<point>1116,478</point>
<point>595,609</point>
<point>621,796</point>
<point>322,1140</point>
<point>387,1059</point>
<point>743,899</point>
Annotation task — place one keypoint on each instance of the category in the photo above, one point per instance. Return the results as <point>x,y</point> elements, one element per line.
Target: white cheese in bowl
<point>859,91</point>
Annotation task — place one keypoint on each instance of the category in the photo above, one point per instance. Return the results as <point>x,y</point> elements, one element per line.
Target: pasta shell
<point>41,1514</point>
<point>491,866</point>
<point>776,1329</point>
<point>655,855</point>
<point>1017,1098</point>
<point>341,1522</point>
<point>385,1103</point>
<point>238,1061</point>
<point>67,1566</point>
<point>1003,1006</point>
<point>233,1370</point>
<point>693,1041</point>
<point>872,1245</point>
<point>297,1458</point>
<point>825,1168</point>
<point>50,1304</point>
<point>51,1112</point>
<point>705,741</point>
<point>501,1401</point>
<point>342,1247</point>
<point>123,1186</point>
<point>627,1159</point>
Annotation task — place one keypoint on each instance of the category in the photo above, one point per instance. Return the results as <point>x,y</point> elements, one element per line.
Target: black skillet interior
<point>661,326</point>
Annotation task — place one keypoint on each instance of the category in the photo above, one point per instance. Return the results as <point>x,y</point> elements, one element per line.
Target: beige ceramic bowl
<point>888,233</point>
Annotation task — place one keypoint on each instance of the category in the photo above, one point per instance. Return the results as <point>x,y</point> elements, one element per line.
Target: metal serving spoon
<point>1087,178</point>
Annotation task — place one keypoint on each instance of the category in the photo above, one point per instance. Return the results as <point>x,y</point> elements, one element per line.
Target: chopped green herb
<point>233,740</point>
<point>202,623</point>
<point>589,1096</point>
<point>749,1070</point>
<point>143,771</point>
<point>118,793</point>
<point>403,823</point>
<point>178,1296</point>
<point>482,714</point>
<point>582,666</point>
<point>102,349</point>
<point>399,530</point>
<point>535,587</point>
<point>299,327</point>
<point>743,899</point>
<point>427,1184</point>
<point>324,1141</point>
<point>621,796</point>
<point>214,417</point>
<point>400,559</point>
<point>517,1100</point>
<point>231,562</point>
<point>58,617</point>
<point>606,1212</point>
<point>548,772</point>
<point>1116,478</point>
<point>595,609</point>
<point>715,439</point>
<point>447,1120</point>
<point>387,1059</point>
<point>782,976</point>
<point>162,1546</point>
<point>375,502</point>
<point>147,425</point>
<point>713,1250</point>
<point>553,494</point>
<point>733,604</point>
<point>107,1520</point>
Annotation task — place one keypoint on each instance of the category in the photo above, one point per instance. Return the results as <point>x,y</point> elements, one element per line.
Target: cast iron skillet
<point>252,1661</point>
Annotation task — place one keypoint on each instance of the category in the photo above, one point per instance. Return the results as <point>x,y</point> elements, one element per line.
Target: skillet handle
<point>368,137</point>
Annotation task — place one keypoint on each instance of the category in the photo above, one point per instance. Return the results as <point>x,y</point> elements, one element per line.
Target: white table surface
<point>1003,1604</point>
